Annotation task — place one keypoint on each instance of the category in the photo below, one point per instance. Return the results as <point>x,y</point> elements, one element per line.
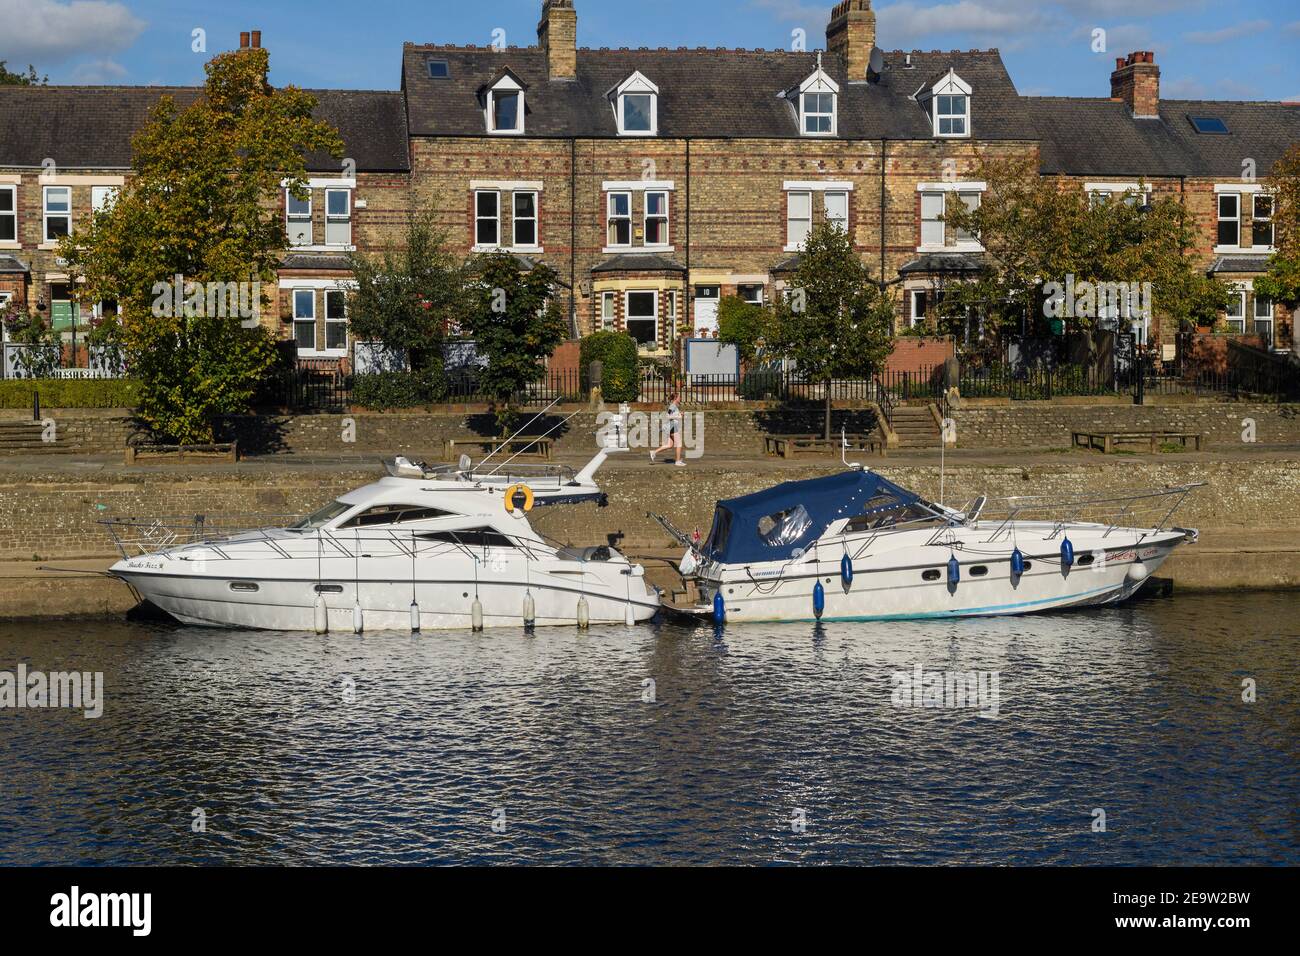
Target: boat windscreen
<point>321,518</point>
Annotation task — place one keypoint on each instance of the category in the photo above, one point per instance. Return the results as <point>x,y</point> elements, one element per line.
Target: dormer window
<point>505,107</point>
<point>817,99</point>
<point>948,102</point>
<point>636,106</point>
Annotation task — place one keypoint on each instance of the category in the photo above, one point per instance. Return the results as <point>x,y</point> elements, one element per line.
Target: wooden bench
<point>790,446</point>
<point>1105,442</point>
<point>229,451</point>
<point>524,447</point>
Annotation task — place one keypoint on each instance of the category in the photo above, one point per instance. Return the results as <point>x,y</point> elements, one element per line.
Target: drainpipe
<point>688,298</point>
<point>573,236</point>
<point>884,147</point>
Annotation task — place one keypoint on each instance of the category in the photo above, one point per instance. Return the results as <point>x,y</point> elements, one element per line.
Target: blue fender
<point>1017,563</point>
<point>1067,554</point>
<point>819,600</point>
<point>954,570</point>
<point>719,609</point>
<point>846,570</point>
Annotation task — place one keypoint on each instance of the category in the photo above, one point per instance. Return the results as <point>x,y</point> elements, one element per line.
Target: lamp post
<point>1139,351</point>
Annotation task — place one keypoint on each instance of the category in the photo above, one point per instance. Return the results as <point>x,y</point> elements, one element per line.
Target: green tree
<point>21,79</point>
<point>745,325</point>
<point>833,322</point>
<point>1282,281</point>
<point>516,324</point>
<point>406,298</point>
<point>202,205</point>
<point>1035,230</point>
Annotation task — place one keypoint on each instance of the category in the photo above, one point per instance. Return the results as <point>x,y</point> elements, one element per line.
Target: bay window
<point>607,318</point>
<point>304,319</point>
<point>642,322</point>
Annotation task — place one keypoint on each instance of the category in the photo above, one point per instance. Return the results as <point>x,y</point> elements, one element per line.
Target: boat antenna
<point>518,430</point>
<point>561,422</point>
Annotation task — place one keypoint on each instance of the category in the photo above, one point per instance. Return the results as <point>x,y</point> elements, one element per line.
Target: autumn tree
<point>29,78</point>
<point>1282,281</point>
<point>1035,230</point>
<point>199,211</point>
<point>833,322</point>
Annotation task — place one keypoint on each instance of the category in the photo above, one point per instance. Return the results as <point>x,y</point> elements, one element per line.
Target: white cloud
<point>46,32</point>
<point>1223,35</point>
<point>99,73</point>
<point>905,24</point>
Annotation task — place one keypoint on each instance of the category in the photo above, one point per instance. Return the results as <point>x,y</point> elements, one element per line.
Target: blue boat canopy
<point>782,522</point>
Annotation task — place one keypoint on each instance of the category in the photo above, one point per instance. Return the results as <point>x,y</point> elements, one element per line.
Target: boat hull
<point>896,590</point>
<point>289,605</point>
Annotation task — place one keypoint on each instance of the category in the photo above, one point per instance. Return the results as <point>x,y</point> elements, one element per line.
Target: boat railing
<point>1151,509</point>
<point>134,538</point>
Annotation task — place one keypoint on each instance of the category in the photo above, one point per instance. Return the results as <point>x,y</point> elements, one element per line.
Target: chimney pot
<point>243,39</point>
<point>257,39</point>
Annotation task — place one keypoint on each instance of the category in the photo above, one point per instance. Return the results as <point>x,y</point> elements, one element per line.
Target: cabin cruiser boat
<point>424,548</point>
<point>856,547</point>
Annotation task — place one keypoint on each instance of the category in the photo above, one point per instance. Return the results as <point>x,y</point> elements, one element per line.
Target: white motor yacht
<point>424,548</point>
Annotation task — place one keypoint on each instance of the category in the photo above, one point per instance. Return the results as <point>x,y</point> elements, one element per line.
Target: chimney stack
<point>852,34</point>
<point>1136,81</point>
<point>557,35</point>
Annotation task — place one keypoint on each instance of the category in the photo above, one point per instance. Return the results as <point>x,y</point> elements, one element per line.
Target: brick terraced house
<point>658,181</point>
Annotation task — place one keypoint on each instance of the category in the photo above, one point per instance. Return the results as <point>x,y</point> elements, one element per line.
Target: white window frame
<point>1220,219</point>
<point>629,318</point>
<point>826,207</point>
<point>912,317</point>
<point>1265,320</point>
<point>608,322</point>
<point>290,218</point>
<point>610,219</point>
<point>479,244</point>
<point>343,350</point>
<point>964,245</point>
<point>791,244</point>
<point>303,320</point>
<point>1256,218</point>
<point>516,219</point>
<point>670,315</point>
<point>740,286</point>
<point>46,215</point>
<point>636,85</point>
<point>818,84</point>
<point>950,85</point>
<point>506,86</point>
<point>16,241</point>
<point>646,217</point>
<point>336,219</point>
<point>1237,324</point>
<point>102,197</point>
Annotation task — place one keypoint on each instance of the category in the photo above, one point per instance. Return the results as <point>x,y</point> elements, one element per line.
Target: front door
<point>706,310</point>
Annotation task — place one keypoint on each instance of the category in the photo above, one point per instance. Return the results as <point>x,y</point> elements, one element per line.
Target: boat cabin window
<point>784,527</point>
<point>321,518</point>
<point>393,514</point>
<point>476,538</point>
<point>887,518</point>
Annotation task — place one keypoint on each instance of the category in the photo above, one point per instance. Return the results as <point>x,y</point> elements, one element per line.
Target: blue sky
<point>1246,49</point>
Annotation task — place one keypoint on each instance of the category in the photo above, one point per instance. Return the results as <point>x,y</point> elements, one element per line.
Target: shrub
<point>385,391</point>
<point>616,351</point>
<point>761,384</point>
<point>71,393</point>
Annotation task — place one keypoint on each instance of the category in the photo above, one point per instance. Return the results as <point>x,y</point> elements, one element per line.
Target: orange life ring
<point>514,490</point>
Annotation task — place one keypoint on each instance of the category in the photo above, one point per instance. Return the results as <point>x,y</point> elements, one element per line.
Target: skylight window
<point>439,70</point>
<point>1209,124</point>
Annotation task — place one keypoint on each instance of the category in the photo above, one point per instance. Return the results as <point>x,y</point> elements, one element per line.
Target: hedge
<point>386,391</point>
<point>616,351</point>
<point>71,392</point>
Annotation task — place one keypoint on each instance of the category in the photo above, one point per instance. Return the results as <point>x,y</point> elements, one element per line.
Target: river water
<point>1118,736</point>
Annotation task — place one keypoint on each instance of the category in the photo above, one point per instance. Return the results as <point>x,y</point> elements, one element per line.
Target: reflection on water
<point>561,740</point>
